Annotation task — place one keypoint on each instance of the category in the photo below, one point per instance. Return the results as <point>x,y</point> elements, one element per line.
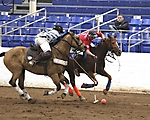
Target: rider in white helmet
<point>44,39</point>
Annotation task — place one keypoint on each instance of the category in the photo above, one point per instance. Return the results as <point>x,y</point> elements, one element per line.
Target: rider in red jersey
<point>87,38</point>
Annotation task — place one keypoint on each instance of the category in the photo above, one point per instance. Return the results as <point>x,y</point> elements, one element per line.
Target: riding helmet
<point>92,33</point>
<point>58,28</point>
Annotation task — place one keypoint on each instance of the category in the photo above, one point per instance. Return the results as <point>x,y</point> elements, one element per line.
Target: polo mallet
<point>95,100</point>
<point>119,64</point>
<point>83,70</point>
<point>85,85</point>
<point>88,85</point>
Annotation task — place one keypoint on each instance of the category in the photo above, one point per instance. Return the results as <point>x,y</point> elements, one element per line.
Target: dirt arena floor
<point>119,106</point>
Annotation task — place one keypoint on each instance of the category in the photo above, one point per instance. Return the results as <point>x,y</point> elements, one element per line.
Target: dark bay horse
<point>88,64</point>
<point>16,62</point>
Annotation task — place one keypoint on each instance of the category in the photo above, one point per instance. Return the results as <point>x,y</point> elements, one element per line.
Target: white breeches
<point>43,43</point>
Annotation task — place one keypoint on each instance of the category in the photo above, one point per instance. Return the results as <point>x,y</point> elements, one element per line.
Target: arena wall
<point>130,73</point>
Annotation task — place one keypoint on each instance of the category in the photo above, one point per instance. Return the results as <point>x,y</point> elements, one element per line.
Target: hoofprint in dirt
<point>119,106</point>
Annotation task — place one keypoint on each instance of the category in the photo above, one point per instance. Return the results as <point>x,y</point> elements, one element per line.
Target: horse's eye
<point>113,43</point>
<point>78,38</point>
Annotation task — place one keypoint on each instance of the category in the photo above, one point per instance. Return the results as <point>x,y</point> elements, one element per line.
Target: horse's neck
<point>101,50</point>
<point>63,46</point>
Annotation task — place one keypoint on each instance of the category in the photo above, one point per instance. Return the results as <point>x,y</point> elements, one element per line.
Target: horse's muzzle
<point>117,52</point>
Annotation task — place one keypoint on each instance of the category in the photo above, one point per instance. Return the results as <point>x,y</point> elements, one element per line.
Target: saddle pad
<point>61,62</point>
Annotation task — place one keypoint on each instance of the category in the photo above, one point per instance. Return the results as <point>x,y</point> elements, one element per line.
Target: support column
<point>32,6</point>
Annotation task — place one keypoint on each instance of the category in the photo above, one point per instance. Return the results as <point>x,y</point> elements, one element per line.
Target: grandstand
<point>70,14</point>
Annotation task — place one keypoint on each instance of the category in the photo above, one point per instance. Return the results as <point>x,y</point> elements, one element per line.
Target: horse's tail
<point>2,54</point>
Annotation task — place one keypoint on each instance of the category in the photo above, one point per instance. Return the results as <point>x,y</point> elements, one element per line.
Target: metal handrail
<point>25,20</point>
<point>116,9</point>
<point>102,25</point>
<point>137,42</point>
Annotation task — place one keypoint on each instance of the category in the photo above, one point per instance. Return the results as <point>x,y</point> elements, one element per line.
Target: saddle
<point>33,52</point>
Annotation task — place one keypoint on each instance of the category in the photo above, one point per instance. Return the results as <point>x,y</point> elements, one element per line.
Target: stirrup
<point>32,62</point>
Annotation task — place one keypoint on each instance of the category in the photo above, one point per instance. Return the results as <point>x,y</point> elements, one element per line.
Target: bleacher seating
<point>28,39</point>
<point>76,19</point>
<point>49,24</point>
<point>115,3</point>
<point>85,9</point>
<point>16,41</point>
<point>136,22</point>
<point>146,23</point>
<point>64,19</point>
<point>6,40</point>
<point>30,18</point>
<point>39,24</point>
<point>53,19</point>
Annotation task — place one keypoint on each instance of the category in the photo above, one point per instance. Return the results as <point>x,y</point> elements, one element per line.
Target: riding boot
<point>76,71</point>
<point>41,56</point>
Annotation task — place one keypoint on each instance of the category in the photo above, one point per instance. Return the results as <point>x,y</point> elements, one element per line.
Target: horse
<point>16,62</point>
<point>88,65</point>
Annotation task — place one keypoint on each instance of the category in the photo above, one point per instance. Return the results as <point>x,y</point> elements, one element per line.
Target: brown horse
<point>88,64</point>
<point>16,62</point>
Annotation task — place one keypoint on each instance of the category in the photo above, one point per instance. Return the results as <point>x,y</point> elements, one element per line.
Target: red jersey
<point>85,38</point>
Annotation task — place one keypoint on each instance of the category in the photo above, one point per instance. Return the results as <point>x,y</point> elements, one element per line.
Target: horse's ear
<point>115,35</point>
<point>108,35</point>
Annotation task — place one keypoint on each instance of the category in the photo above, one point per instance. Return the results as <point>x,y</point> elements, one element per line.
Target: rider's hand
<point>95,57</point>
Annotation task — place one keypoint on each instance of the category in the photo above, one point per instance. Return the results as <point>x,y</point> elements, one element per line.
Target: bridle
<point>109,45</point>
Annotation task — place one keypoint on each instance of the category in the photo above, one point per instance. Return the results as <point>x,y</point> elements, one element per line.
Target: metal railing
<point>98,23</point>
<point>26,23</point>
<point>5,25</point>
<point>141,40</point>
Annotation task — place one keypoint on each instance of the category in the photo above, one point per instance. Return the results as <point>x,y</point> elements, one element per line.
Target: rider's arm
<point>52,35</point>
<point>100,34</point>
<point>90,53</point>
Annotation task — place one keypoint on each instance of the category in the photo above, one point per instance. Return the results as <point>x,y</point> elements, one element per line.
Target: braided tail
<point>2,54</point>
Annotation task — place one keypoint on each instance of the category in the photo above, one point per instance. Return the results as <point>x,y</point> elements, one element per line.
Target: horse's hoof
<point>105,92</point>
<point>63,95</point>
<point>81,98</point>
<point>71,93</point>
<point>45,93</point>
<point>30,101</point>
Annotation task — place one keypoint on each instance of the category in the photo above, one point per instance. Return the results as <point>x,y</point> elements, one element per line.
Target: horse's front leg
<point>92,77</point>
<point>63,78</point>
<point>104,73</point>
<point>70,91</point>
<point>56,81</point>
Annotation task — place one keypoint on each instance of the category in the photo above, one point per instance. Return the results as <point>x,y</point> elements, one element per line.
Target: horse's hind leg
<point>12,82</point>
<point>72,81</point>
<point>21,85</point>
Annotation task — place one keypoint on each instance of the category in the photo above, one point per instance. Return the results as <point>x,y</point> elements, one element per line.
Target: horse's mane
<point>103,41</point>
<point>99,44</point>
<point>59,38</point>
<point>64,35</point>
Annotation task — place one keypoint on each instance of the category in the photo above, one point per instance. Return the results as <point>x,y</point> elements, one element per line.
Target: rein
<point>69,44</point>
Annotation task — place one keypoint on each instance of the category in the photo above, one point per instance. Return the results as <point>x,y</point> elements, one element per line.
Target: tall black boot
<point>41,56</point>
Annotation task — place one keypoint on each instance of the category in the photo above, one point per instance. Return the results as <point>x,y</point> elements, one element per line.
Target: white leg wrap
<point>66,89</point>
<point>27,96</point>
<point>18,90</point>
<point>52,92</point>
